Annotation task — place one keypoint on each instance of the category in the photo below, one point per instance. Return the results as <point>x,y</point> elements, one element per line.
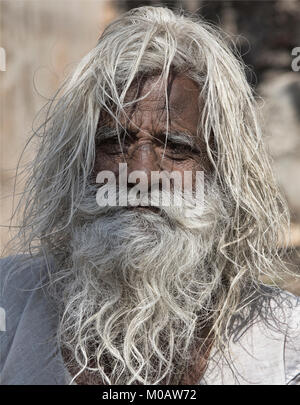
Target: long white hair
<point>148,41</point>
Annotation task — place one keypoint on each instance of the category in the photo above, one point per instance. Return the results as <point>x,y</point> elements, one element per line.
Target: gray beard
<point>137,288</point>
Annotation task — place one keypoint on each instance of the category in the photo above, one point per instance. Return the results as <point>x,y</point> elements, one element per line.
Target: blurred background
<point>41,41</point>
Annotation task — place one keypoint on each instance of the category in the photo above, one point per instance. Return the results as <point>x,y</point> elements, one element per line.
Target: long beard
<point>138,289</point>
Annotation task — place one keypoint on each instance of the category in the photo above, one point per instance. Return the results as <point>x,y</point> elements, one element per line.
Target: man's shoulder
<point>281,303</point>
<point>286,300</point>
<point>266,346</point>
<point>275,339</point>
<point>277,318</point>
<point>290,305</point>
<point>29,321</point>
<point>272,311</point>
<point>282,314</point>
<point>21,276</point>
<point>22,273</point>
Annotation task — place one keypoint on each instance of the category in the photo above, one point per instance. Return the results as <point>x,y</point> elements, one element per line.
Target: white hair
<point>139,288</point>
<point>156,41</point>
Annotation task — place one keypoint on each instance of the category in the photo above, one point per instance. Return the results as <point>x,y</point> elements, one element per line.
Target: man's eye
<point>179,149</point>
<point>112,145</point>
<point>115,147</point>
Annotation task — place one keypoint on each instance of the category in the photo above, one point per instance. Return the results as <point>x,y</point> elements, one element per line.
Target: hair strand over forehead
<point>147,41</point>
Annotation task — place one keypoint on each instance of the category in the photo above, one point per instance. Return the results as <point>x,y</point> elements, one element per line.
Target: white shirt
<point>262,355</point>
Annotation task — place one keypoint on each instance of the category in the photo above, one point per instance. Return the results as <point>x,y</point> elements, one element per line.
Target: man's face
<point>144,146</point>
<point>144,279</point>
<point>138,288</point>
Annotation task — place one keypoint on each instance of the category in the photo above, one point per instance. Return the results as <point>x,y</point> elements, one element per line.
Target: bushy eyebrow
<point>173,136</point>
<point>180,137</point>
<point>106,132</point>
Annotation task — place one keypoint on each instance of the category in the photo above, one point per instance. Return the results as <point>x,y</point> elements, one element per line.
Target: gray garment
<point>30,354</point>
<point>28,351</point>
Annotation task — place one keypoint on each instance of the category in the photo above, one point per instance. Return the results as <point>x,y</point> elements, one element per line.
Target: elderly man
<point>150,293</point>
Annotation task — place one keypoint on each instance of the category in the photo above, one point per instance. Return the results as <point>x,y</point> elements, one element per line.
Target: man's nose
<point>144,158</point>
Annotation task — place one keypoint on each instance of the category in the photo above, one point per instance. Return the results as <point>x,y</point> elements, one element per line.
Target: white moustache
<point>179,208</point>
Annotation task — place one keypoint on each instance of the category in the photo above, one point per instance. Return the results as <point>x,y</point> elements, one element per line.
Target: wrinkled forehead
<point>179,97</point>
<point>174,94</point>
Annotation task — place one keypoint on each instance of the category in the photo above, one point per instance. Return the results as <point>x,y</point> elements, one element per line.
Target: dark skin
<point>143,150</point>
<point>145,141</point>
